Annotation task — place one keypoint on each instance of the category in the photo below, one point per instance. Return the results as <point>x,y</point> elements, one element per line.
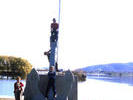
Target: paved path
<point>7,99</point>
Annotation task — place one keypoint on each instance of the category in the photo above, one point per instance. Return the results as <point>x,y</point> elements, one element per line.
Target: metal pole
<point>59,28</point>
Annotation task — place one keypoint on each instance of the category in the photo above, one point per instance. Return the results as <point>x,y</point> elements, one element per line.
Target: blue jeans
<point>53,46</point>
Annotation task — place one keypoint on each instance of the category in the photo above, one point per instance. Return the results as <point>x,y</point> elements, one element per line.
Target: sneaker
<point>46,97</point>
<point>55,96</point>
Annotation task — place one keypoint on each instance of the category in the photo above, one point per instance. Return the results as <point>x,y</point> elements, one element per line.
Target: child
<point>18,88</point>
<point>51,82</point>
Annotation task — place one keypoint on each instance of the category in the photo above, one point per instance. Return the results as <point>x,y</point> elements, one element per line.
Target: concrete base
<point>66,86</point>
<point>61,87</point>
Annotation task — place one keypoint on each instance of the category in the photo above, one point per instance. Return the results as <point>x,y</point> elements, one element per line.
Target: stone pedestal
<point>66,86</point>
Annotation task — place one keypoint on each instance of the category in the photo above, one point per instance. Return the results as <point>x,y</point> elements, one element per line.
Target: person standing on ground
<point>51,82</point>
<point>18,88</point>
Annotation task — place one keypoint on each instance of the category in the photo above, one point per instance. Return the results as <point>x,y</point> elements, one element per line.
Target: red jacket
<point>54,26</point>
<point>18,86</point>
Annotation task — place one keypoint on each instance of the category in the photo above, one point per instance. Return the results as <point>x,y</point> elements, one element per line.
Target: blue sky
<point>91,31</point>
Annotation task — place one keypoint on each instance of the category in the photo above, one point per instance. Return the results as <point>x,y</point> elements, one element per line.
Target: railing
<point>8,74</point>
<point>42,71</point>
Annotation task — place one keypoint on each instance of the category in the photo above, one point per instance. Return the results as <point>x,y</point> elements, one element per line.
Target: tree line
<point>14,66</point>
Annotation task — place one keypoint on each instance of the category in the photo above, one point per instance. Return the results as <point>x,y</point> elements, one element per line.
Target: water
<point>106,88</point>
<point>95,88</point>
<point>7,88</point>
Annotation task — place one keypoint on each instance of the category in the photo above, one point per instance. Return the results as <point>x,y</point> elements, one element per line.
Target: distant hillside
<point>114,67</point>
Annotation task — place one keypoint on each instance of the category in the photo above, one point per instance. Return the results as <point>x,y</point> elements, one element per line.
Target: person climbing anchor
<point>54,30</point>
<point>53,41</point>
<point>47,53</point>
<point>51,82</point>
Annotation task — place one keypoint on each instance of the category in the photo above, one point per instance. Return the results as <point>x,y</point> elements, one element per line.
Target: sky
<point>91,31</point>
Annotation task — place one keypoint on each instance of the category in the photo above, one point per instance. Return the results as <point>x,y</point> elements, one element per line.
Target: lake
<point>106,88</point>
<point>95,88</point>
<point>7,88</point>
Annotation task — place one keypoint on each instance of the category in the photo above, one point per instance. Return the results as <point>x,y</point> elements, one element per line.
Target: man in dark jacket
<point>51,82</point>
